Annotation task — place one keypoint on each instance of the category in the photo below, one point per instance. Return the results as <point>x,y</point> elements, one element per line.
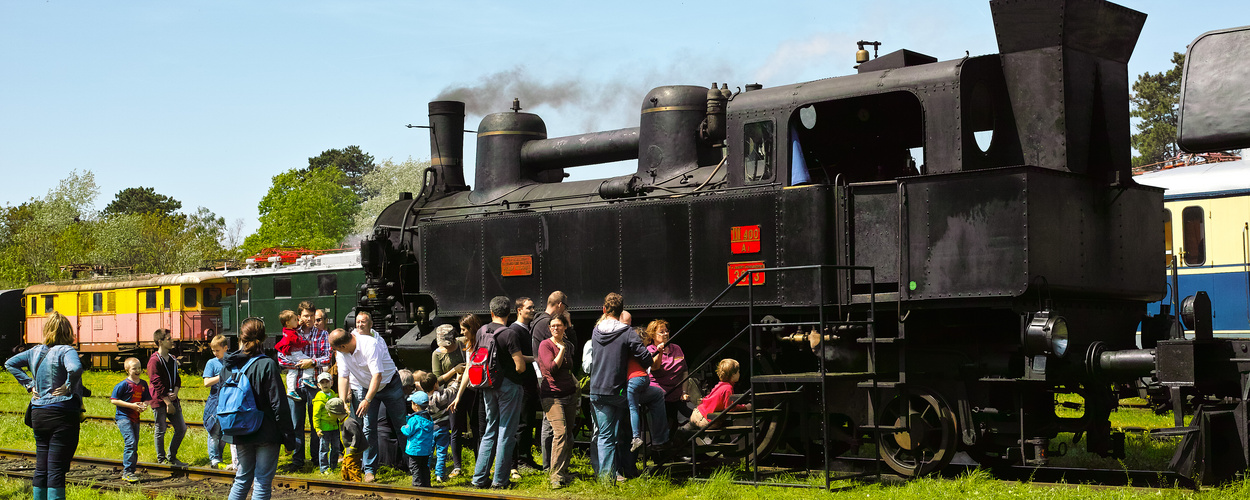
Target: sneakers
<point>635,444</point>
<point>455,473</point>
<point>178,463</point>
<point>368,478</point>
<point>556,484</point>
<point>294,395</point>
<point>516,475</point>
<point>130,477</point>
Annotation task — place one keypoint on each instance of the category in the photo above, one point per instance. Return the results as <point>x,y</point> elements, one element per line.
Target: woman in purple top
<point>668,369</point>
<point>560,397</point>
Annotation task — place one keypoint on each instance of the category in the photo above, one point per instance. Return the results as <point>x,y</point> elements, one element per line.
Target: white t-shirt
<point>371,357</point>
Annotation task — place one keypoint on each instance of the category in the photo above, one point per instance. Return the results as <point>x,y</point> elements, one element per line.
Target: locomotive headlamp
<point>1047,333</point>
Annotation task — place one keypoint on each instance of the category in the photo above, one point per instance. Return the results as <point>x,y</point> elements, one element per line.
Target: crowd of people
<point>364,411</point>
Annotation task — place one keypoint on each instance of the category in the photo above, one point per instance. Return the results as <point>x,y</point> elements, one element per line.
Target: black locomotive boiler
<point>954,288</point>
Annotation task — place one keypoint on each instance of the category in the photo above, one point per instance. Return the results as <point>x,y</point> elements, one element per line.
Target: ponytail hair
<point>252,336</point>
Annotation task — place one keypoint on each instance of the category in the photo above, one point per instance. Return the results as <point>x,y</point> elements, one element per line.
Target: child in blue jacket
<point>420,433</point>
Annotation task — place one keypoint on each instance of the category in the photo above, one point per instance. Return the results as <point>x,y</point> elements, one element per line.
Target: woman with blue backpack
<point>55,411</point>
<point>253,414</point>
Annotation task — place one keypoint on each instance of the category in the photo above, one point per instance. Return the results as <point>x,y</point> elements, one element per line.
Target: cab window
<point>212,297</point>
<point>34,304</point>
<point>757,149</point>
<point>189,297</point>
<point>165,304</point>
<point>149,299</point>
<point>282,287</point>
<point>97,302</point>
<point>1167,235</point>
<point>49,303</point>
<point>1195,238</point>
<point>327,284</point>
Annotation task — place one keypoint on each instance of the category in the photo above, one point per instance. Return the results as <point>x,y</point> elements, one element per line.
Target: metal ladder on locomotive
<point>780,392</point>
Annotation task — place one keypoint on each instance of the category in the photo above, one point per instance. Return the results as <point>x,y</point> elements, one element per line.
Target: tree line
<point>327,204</point>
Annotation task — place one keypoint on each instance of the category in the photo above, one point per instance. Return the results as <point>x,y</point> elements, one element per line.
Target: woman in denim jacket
<point>56,403</point>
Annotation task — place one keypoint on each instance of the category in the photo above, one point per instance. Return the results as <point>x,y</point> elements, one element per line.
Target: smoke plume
<point>494,93</point>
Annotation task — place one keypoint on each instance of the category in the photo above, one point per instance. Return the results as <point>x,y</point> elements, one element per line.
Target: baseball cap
<point>325,376</point>
<point>336,407</point>
<point>419,398</point>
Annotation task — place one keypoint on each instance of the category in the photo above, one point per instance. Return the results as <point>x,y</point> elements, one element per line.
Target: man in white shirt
<point>364,324</point>
<point>365,365</point>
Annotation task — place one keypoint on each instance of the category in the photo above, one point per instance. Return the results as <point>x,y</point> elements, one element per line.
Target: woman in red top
<point>643,394</point>
<point>560,396</point>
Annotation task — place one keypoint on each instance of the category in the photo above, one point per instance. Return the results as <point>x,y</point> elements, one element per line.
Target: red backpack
<point>483,370</point>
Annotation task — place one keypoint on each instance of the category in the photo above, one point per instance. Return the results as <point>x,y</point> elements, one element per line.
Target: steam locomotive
<point>953,288</point>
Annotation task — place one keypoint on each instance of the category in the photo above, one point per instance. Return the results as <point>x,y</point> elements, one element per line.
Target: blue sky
<point>206,101</point>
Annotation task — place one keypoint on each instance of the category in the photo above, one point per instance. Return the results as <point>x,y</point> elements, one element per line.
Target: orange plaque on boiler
<point>744,239</point>
<point>737,269</point>
<point>516,265</point>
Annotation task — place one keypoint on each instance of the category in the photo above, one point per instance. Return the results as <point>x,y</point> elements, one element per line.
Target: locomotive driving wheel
<point>921,436</point>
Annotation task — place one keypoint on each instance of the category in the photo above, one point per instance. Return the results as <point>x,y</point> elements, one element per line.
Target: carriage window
<point>34,303</point>
<point>327,284</point>
<point>48,301</point>
<point>758,145</point>
<point>212,297</point>
<point>1167,236</point>
<point>149,301</point>
<point>97,302</point>
<point>1194,234</point>
<point>189,297</point>
<point>166,303</point>
<point>282,287</point>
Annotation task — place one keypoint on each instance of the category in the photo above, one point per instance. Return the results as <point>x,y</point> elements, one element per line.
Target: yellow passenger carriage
<point>115,317</point>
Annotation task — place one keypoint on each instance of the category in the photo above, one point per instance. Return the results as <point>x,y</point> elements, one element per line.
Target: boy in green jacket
<point>327,425</point>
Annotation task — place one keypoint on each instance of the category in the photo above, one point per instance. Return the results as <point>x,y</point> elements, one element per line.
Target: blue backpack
<point>237,413</point>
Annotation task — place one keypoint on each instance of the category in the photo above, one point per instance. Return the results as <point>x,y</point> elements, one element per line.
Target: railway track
<point>201,482</point>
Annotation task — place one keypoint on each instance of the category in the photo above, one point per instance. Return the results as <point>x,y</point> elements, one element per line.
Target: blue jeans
<point>442,438</point>
<point>331,448</point>
<point>608,413</point>
<point>258,462</point>
<point>641,393</point>
<point>56,440</point>
<point>503,413</point>
<point>163,418</point>
<point>130,443</point>
<point>215,445</point>
<point>393,397</point>
<point>301,415</point>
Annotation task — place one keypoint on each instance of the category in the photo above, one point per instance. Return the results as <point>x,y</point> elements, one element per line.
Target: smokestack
<point>1066,66</point>
<point>447,146</point>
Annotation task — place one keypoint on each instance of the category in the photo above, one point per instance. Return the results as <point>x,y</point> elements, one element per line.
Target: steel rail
<point>311,485</point>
